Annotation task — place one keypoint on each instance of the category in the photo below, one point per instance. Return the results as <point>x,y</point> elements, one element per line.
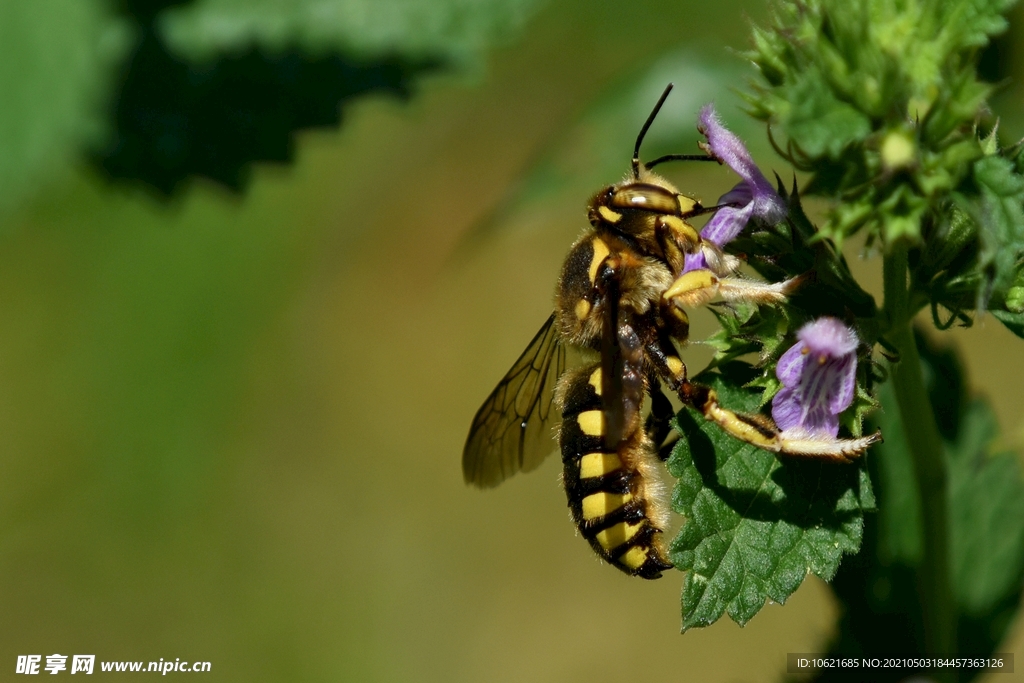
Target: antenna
<point>681,157</point>
<point>643,131</point>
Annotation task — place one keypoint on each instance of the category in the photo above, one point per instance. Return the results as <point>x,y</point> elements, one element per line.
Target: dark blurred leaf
<point>755,525</point>
<point>55,60</point>
<point>175,120</point>
<point>986,514</point>
<point>215,85</point>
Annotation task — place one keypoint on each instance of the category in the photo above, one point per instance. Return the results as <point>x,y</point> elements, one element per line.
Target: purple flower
<point>754,195</point>
<point>818,377</point>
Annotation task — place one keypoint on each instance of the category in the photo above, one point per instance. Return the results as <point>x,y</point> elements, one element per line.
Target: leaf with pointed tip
<point>756,525</point>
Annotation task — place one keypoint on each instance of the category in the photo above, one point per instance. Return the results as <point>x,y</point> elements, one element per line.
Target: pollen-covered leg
<point>762,432</point>
<point>700,287</point>
<point>612,492</point>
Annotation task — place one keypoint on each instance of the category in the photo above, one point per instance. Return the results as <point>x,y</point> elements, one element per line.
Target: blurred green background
<point>232,419</point>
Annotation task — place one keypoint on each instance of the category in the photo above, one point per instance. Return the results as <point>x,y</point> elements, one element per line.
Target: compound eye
<point>646,198</point>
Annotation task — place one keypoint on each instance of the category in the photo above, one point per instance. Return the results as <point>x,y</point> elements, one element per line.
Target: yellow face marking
<point>598,464</point>
<point>675,366</point>
<point>683,231</point>
<point>595,381</point>
<point>633,558</point>
<point>591,422</point>
<point>601,503</point>
<point>686,204</point>
<point>617,535</point>
<point>601,252</point>
<point>582,309</point>
<point>608,215</point>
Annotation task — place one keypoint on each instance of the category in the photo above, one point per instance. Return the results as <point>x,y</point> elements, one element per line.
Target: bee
<point>621,297</point>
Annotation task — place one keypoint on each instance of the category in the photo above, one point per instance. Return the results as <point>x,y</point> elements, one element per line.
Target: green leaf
<point>175,120</point>
<point>970,22</point>
<point>999,212</point>
<point>986,521</point>
<point>1014,322</point>
<point>454,29</point>
<point>878,101</point>
<point>986,514</point>
<point>818,122</point>
<point>56,59</point>
<point>1015,294</point>
<point>755,525</point>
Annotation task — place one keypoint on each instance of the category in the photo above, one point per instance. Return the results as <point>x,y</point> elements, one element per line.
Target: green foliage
<point>755,525</point>
<point>998,211</point>
<point>986,514</point>
<point>206,88</point>
<point>455,29</point>
<point>985,494</point>
<point>881,103</point>
<point>55,62</point>
<point>794,248</point>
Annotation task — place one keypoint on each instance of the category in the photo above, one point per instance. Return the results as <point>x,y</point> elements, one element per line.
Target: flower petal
<point>791,365</point>
<point>818,375</point>
<point>694,262</point>
<point>726,224</point>
<point>846,368</point>
<point>828,336</point>
<point>724,144</point>
<point>786,409</point>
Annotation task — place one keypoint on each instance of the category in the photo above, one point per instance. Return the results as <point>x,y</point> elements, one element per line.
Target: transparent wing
<point>512,429</point>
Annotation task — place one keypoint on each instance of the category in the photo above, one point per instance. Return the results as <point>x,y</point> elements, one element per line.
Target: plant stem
<point>933,574</point>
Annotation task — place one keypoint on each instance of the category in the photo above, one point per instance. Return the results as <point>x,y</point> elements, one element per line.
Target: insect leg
<point>658,425</point>
<point>755,429</point>
<point>699,287</point>
<point>676,238</point>
<point>760,431</point>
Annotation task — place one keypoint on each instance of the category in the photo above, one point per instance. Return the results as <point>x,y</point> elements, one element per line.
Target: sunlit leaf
<point>999,213</point>
<point>756,524</point>
<point>56,59</point>
<point>456,29</point>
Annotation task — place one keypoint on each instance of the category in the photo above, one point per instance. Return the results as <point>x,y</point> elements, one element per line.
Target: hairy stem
<point>933,573</point>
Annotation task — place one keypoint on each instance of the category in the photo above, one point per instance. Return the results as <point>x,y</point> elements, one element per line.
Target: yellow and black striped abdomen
<point>612,493</point>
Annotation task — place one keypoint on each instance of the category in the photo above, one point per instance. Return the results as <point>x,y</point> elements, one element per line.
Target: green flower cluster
<point>881,103</point>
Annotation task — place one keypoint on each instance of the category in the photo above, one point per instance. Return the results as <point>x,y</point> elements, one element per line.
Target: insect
<point>622,295</point>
